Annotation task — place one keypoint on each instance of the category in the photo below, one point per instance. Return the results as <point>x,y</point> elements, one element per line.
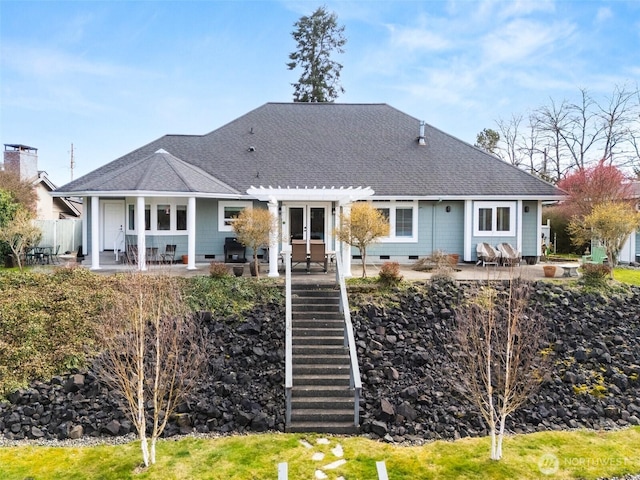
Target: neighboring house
<point>23,160</point>
<point>631,250</point>
<point>307,162</point>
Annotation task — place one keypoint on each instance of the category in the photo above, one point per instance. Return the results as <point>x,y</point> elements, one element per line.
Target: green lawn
<point>627,275</point>
<point>553,455</point>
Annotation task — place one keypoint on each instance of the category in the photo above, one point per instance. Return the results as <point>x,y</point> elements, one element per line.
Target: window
<point>160,215</point>
<point>227,212</point>
<point>164,217</point>
<point>404,222</point>
<point>147,217</point>
<point>181,217</point>
<point>402,216</point>
<point>494,219</point>
<point>132,217</point>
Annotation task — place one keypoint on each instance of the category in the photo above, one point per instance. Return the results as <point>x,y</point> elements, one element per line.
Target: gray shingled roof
<point>321,145</point>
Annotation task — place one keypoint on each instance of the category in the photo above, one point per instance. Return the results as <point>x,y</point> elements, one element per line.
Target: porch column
<point>468,230</point>
<point>95,233</point>
<point>85,222</point>
<point>346,248</point>
<point>273,239</point>
<point>142,239</point>
<point>191,233</point>
<point>519,220</point>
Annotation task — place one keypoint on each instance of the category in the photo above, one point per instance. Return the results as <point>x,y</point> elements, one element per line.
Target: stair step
<point>330,359</point>
<point>322,369</point>
<point>318,332</point>
<point>326,403</point>
<point>322,391</point>
<point>323,427</point>
<point>308,315</point>
<point>319,349</point>
<point>322,415</point>
<point>340,380</point>
<point>322,323</point>
<point>317,340</point>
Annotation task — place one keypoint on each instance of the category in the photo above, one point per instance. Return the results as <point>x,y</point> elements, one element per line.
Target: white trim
<point>493,206</point>
<point>468,230</point>
<point>393,206</point>
<point>222,226</point>
<point>314,194</point>
<point>153,204</point>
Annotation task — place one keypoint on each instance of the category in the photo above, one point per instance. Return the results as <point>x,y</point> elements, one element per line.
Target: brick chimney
<point>22,160</point>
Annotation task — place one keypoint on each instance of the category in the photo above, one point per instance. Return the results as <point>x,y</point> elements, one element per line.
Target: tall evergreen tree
<point>317,37</point>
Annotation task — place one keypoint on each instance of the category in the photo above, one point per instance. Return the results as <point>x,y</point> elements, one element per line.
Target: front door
<point>308,222</point>
<point>113,225</point>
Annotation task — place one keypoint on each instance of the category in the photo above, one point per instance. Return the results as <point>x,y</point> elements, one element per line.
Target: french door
<point>308,222</point>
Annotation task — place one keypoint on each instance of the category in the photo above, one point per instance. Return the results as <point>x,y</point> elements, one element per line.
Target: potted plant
<point>254,226</point>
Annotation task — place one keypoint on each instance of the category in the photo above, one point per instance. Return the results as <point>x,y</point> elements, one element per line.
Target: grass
<point>627,275</point>
<point>552,455</point>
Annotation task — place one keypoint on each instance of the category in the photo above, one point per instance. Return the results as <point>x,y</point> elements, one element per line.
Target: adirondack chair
<point>598,255</point>
<point>487,255</point>
<point>510,256</point>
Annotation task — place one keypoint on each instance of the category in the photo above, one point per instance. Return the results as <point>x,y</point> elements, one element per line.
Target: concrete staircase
<point>321,400</point>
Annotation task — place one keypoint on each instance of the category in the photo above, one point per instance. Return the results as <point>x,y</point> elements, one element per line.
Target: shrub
<point>390,273</point>
<point>595,275</point>
<point>218,270</point>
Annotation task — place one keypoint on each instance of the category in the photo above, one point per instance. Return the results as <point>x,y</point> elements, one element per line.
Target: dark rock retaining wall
<point>593,381</point>
<point>407,394</point>
<point>243,390</point>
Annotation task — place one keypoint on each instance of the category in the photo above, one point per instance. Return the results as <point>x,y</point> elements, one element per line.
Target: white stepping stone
<point>323,441</point>
<point>320,475</point>
<point>334,465</point>
<point>306,444</point>
<point>337,451</point>
<point>317,456</point>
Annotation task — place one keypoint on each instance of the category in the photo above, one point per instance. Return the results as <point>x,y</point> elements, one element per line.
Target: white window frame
<point>152,204</point>
<point>222,226</point>
<point>393,205</point>
<point>493,206</point>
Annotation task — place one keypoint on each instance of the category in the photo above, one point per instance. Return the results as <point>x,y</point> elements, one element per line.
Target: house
<point>307,163</point>
<point>23,160</point>
<point>631,250</point>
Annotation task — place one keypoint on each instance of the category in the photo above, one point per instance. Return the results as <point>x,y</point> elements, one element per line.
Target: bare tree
<point>567,136</point>
<point>153,351</point>
<point>497,341</point>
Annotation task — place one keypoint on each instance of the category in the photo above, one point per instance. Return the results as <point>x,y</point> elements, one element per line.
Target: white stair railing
<point>355,382</point>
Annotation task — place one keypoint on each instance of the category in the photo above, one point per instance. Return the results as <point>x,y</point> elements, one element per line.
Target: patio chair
<point>299,253</point>
<point>598,255</point>
<point>487,255</point>
<point>169,254</point>
<point>317,254</point>
<point>509,255</point>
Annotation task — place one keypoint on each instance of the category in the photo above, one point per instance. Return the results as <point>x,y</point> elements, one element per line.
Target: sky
<point>112,76</point>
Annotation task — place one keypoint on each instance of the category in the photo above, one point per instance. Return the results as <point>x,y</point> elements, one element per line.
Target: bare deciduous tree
<point>153,352</point>
<point>567,136</point>
<point>497,354</point>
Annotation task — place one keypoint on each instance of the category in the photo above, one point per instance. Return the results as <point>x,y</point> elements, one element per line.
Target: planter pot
<point>185,259</point>
<point>454,258</point>
<point>549,270</point>
<point>238,270</point>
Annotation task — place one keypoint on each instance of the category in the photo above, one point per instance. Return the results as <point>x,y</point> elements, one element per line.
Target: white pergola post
<point>346,248</point>
<point>191,233</point>
<point>95,233</point>
<point>273,238</point>
<point>142,240</point>
<point>468,230</point>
